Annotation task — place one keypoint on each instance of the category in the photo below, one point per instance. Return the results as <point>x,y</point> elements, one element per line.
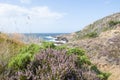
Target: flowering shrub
<point>52,64</point>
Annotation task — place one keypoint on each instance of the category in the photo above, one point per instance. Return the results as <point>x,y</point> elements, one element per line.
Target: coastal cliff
<point>101,40</point>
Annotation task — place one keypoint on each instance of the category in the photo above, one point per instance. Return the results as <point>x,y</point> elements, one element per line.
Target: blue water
<point>45,36</point>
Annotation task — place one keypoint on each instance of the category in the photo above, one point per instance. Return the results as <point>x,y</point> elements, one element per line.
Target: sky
<point>53,16</point>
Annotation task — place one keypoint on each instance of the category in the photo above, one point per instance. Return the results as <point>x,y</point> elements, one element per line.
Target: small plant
<point>76,51</point>
<point>46,45</point>
<point>113,23</point>
<point>91,35</point>
<point>20,61</point>
<point>81,57</point>
<point>25,55</point>
<point>84,60</point>
<point>61,47</point>
<point>94,68</point>
<point>101,75</point>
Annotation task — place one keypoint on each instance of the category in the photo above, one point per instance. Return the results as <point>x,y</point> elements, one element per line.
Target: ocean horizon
<point>44,36</point>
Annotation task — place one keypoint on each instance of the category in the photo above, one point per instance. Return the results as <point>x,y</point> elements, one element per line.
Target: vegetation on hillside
<point>113,23</point>
<point>101,41</point>
<point>50,62</point>
<point>95,29</point>
<point>8,48</point>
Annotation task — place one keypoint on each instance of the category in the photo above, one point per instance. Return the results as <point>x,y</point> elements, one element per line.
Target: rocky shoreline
<point>62,39</point>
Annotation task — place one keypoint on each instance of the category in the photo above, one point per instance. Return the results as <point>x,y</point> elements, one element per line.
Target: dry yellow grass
<point>8,48</point>
<point>103,44</point>
<point>106,67</point>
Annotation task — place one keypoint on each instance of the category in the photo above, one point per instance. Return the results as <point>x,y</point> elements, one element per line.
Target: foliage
<point>91,35</point>
<point>24,57</point>
<point>83,60</point>
<point>101,75</point>
<point>76,51</point>
<point>113,23</point>
<point>52,64</point>
<point>61,47</point>
<point>47,45</point>
<point>8,48</point>
<point>81,57</point>
<point>99,26</point>
<point>94,67</point>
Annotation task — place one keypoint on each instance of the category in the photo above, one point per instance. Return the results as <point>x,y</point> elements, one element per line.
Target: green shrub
<point>1,69</point>
<point>76,51</point>
<point>81,57</point>
<point>91,35</point>
<point>94,68</point>
<point>33,48</point>
<point>25,55</point>
<point>105,29</point>
<point>113,23</point>
<point>84,60</point>
<point>53,64</point>
<point>101,75</point>
<point>20,61</point>
<point>46,45</point>
<point>61,47</point>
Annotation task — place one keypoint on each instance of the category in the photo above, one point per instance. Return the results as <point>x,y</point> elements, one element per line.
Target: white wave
<point>49,37</point>
<point>57,41</point>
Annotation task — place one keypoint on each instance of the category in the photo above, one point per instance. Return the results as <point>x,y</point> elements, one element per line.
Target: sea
<point>44,36</point>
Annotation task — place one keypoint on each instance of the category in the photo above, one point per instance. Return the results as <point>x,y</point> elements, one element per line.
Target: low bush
<point>101,75</point>
<point>61,47</point>
<point>24,57</point>
<point>52,64</point>
<point>76,51</point>
<point>83,60</point>
<point>46,45</point>
<point>113,23</point>
<point>81,57</point>
<point>91,35</point>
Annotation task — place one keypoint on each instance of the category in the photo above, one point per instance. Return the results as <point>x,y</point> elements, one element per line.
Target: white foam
<point>49,37</point>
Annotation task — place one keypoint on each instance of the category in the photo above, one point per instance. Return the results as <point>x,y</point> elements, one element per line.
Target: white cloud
<point>10,15</point>
<point>40,12</point>
<point>25,1</point>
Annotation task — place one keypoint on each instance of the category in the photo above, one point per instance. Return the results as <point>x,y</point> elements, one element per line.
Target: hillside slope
<point>104,24</point>
<point>101,40</point>
<point>104,51</point>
